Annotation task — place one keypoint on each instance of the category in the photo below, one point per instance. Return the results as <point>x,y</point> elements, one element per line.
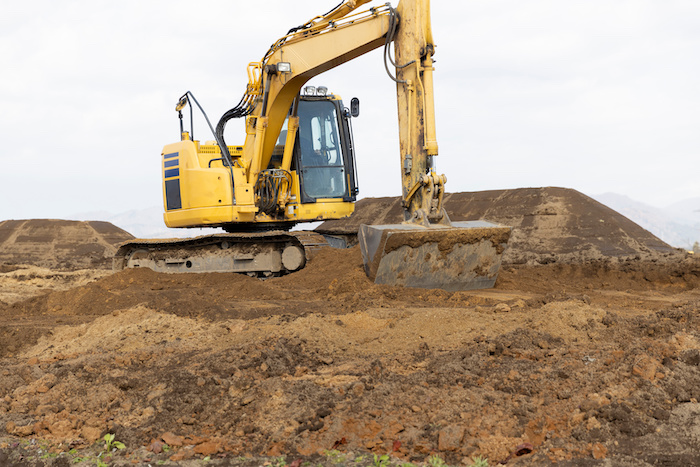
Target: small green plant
<point>381,461</point>
<point>111,444</point>
<point>435,461</point>
<point>479,461</point>
<point>335,456</point>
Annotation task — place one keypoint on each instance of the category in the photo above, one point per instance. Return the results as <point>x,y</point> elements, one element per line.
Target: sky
<point>595,95</point>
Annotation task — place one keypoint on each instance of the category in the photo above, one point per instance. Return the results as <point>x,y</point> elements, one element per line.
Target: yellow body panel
<point>197,192</point>
<point>321,210</point>
<point>202,217</point>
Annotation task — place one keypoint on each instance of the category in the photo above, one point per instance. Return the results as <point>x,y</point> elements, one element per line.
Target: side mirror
<point>355,107</point>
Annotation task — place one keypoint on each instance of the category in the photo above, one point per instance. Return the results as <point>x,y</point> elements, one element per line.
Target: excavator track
<point>263,254</point>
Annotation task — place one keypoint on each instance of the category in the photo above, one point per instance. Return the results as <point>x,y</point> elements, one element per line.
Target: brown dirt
<point>595,362</point>
<point>549,224</point>
<point>59,244</point>
<point>580,361</point>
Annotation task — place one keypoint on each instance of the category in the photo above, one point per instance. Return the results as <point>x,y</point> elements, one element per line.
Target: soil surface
<point>59,244</point>
<point>549,224</point>
<point>590,362</point>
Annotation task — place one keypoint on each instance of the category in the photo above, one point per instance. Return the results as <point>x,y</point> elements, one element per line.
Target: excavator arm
<point>413,43</point>
<point>330,40</point>
<point>262,193</point>
<point>319,45</point>
<point>427,250</point>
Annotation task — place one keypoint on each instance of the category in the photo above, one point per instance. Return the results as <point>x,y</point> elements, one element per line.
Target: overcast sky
<point>595,95</point>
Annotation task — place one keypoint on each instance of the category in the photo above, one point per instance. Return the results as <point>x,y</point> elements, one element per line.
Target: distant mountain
<point>677,224</point>
<point>686,211</point>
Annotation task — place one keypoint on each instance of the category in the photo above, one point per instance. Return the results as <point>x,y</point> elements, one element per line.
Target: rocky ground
<point>593,362</point>
<point>582,363</point>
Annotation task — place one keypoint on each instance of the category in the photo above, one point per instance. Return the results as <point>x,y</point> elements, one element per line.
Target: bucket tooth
<point>464,256</point>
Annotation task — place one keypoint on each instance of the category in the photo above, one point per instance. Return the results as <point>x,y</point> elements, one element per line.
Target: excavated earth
<point>549,224</point>
<point>587,352</point>
<point>59,244</point>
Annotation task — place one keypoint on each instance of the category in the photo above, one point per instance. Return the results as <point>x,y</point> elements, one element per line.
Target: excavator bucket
<point>464,256</point>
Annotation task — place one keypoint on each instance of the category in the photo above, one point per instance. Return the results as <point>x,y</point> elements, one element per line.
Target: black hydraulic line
<point>220,142</point>
<point>334,8</point>
<point>308,24</point>
<point>242,109</point>
<point>192,116</point>
<point>189,94</point>
<point>354,165</point>
<point>267,188</point>
<point>394,20</point>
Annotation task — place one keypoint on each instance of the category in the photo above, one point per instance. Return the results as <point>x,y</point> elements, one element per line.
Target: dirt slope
<point>549,224</point>
<point>59,244</point>
<point>580,362</point>
<point>587,352</point>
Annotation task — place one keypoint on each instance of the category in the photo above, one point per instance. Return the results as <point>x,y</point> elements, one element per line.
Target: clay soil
<point>590,362</point>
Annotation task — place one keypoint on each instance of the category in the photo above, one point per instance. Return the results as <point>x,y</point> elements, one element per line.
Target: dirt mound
<point>333,283</point>
<point>549,224</point>
<point>564,362</point>
<point>578,362</point>
<point>22,281</point>
<point>59,244</point>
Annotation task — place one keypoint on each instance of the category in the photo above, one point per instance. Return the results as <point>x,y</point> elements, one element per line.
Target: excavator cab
<point>323,154</point>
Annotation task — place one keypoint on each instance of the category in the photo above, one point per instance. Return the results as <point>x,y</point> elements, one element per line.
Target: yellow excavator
<point>297,165</point>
